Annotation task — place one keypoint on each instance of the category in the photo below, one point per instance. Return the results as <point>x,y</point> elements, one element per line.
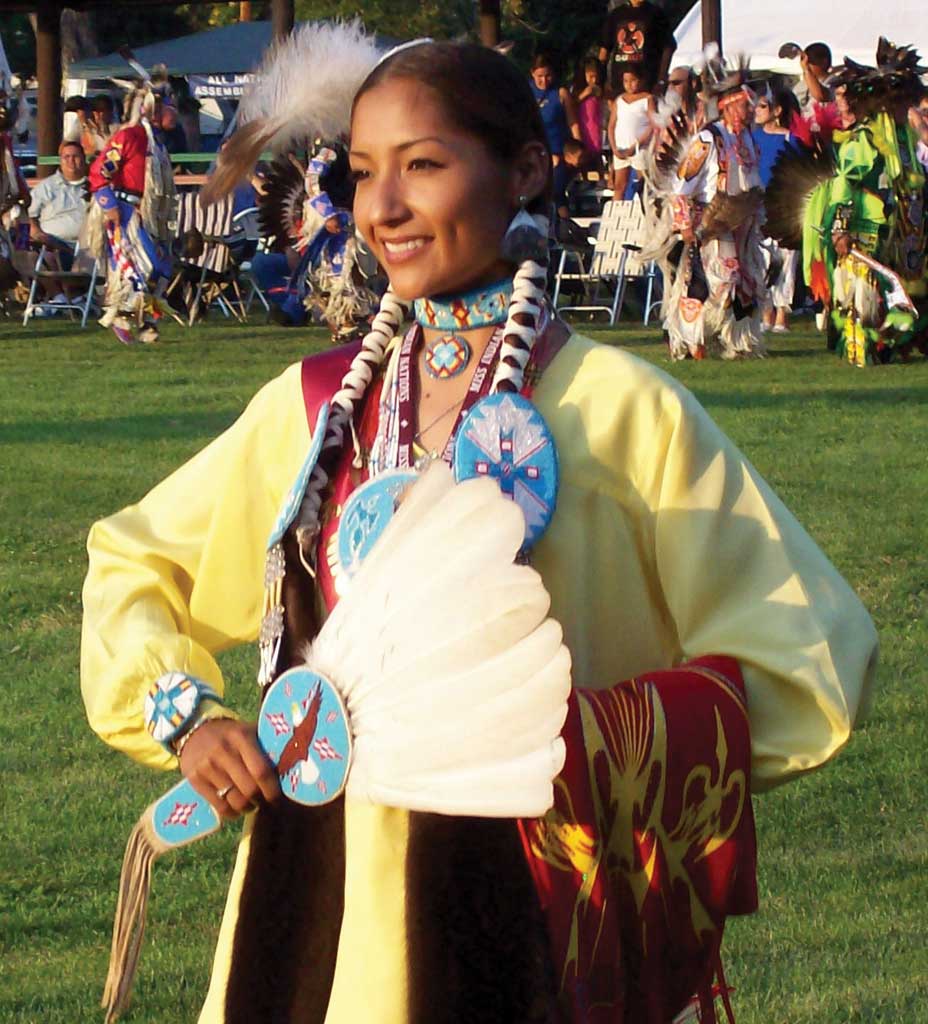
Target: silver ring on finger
<point>224,792</point>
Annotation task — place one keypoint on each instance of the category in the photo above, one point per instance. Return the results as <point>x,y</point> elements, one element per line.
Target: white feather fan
<point>455,681</point>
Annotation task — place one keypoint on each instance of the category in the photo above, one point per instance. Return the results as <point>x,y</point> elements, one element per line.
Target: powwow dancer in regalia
<point>130,221</point>
<point>311,208</point>
<point>511,792</point>
<point>859,213</point>
<point>705,196</point>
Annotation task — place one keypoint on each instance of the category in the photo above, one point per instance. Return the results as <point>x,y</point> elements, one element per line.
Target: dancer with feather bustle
<point>705,194</point>
<point>131,220</point>
<point>310,207</point>
<point>710,650</point>
<point>859,212</point>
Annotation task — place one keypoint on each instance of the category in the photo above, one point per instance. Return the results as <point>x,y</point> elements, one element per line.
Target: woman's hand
<point>223,757</point>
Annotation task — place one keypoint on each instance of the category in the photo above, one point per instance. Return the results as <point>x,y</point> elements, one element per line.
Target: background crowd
<point>606,118</point>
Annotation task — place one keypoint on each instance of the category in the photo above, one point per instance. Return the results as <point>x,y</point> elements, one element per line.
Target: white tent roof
<point>850,29</point>
<point>4,69</point>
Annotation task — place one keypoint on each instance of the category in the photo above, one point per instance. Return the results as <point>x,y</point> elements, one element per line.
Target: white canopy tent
<point>760,29</point>
<point>4,69</point>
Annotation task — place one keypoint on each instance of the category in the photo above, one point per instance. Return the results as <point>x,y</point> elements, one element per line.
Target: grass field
<point>88,426</point>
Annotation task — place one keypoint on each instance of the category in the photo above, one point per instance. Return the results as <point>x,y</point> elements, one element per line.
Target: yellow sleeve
<point>743,578</point>
<point>178,577</point>
<point>731,571</point>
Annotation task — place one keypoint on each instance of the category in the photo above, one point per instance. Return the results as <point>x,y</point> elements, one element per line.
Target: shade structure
<point>759,29</point>
<point>228,50</point>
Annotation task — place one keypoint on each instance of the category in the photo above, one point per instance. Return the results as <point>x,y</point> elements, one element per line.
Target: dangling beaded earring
<point>526,237</point>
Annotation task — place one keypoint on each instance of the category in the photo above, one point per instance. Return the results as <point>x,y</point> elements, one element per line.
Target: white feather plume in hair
<point>307,82</point>
<point>304,90</point>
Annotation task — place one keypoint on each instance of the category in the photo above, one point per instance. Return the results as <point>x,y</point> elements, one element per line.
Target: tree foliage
<point>566,29</point>
<point>400,19</point>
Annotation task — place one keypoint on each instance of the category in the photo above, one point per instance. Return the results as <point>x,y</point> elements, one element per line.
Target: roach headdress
<point>896,78</point>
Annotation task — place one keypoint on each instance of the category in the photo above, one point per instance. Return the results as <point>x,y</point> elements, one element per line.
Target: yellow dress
<point>666,545</point>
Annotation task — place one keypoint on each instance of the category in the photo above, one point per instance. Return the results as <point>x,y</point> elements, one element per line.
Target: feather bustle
<point>794,178</point>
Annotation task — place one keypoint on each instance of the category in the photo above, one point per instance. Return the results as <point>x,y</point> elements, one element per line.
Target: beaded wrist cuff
<point>171,706</point>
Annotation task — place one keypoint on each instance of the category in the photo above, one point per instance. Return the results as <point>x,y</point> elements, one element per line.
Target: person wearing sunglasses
<point>682,87</point>
<point>773,114</point>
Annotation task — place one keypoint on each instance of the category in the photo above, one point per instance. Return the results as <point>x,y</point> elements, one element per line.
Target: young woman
<point>630,129</point>
<point>772,117</point>
<point>559,118</point>
<point>712,642</point>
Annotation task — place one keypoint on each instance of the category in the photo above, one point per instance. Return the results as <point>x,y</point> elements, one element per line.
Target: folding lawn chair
<point>205,269</point>
<point>82,277</point>
<point>603,275</point>
<point>246,237</point>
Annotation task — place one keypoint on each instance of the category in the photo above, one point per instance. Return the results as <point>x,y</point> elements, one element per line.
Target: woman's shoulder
<point>280,396</point>
<point>611,382</point>
<point>614,415</point>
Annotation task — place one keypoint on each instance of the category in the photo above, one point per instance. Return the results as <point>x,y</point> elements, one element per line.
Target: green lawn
<point>88,426</point>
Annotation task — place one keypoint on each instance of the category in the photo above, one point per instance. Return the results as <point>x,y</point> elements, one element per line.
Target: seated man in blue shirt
<point>57,211</point>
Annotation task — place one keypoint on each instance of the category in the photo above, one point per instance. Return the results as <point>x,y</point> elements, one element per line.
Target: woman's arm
<point>570,112</point>
<point>767,659</point>
<point>743,579</point>
<point>177,578</point>
<point>730,570</point>
<point>650,844</point>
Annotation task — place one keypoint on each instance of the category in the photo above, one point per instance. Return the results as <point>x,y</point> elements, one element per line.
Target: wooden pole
<point>48,74</point>
<point>489,17</point>
<point>281,18</point>
<point>712,23</point>
<point>244,10</point>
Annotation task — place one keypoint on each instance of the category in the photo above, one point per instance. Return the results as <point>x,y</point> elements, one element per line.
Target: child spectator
<point>588,100</point>
<point>811,89</point>
<point>630,129</point>
<point>818,115</point>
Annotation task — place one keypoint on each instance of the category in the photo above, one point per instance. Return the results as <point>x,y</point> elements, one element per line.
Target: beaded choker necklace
<point>482,307</point>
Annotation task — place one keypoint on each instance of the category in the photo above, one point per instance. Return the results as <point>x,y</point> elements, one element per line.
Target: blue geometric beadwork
<point>171,703</point>
<point>303,728</point>
<point>294,497</point>
<point>446,357</point>
<point>505,437</point>
<point>366,515</point>
<point>182,815</point>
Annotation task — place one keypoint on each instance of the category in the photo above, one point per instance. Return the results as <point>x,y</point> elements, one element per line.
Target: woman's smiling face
<point>432,201</point>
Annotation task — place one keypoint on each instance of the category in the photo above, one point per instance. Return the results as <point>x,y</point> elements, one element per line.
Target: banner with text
<point>220,87</point>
